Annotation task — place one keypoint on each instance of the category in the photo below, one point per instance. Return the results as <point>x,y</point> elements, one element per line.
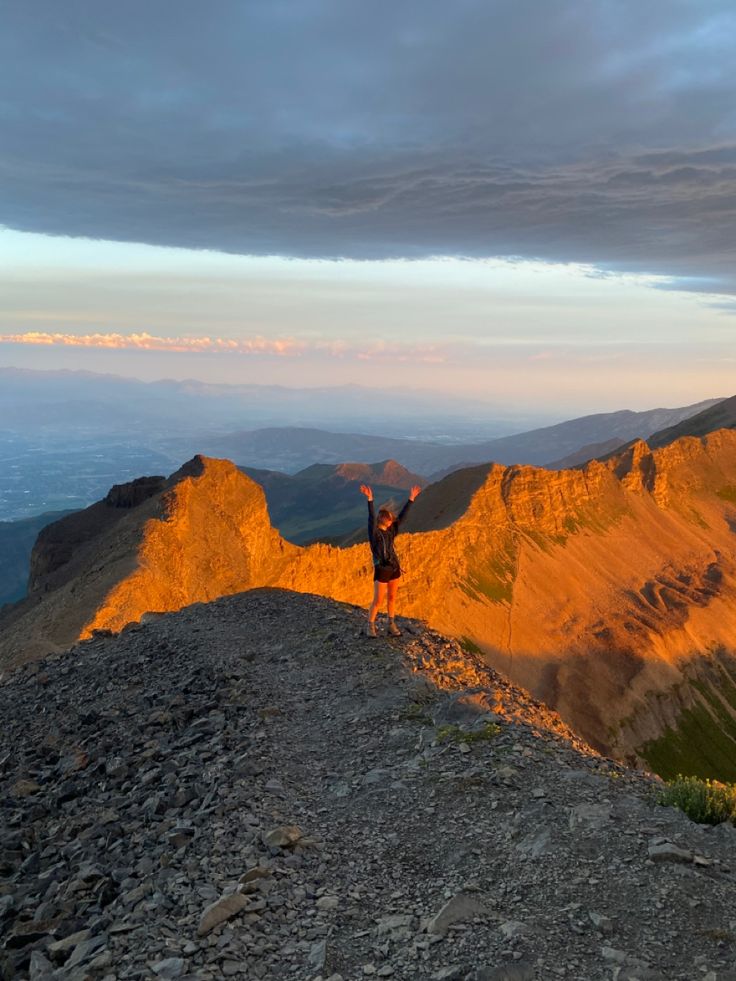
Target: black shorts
<point>386,573</point>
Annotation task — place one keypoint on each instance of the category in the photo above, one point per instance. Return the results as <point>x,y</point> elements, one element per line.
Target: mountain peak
<point>596,588</point>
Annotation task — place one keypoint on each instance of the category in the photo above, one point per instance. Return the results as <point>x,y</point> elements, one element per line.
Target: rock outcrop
<point>252,789</point>
<point>604,590</point>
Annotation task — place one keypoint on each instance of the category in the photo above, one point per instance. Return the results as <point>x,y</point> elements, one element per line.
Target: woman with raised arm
<point>382,532</point>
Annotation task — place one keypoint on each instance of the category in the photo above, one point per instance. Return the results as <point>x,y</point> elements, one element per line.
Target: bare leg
<point>392,589</point>
<point>379,592</point>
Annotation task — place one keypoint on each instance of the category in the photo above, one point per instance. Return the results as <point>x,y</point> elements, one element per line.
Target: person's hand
<point>365,489</point>
<point>415,492</point>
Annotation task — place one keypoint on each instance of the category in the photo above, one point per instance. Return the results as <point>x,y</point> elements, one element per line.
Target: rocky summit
<point>252,788</point>
<point>608,591</point>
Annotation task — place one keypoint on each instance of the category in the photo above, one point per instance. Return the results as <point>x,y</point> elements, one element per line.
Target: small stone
<point>507,972</point>
<point>327,902</point>
<point>452,973</point>
<point>667,852</point>
<point>285,836</point>
<point>318,954</point>
<point>391,924</point>
<point>602,923</point>
<point>59,946</point>
<point>232,968</point>
<point>462,907</point>
<point>257,872</point>
<point>536,844</point>
<point>172,967</point>
<point>40,968</point>
<point>85,951</point>
<point>25,788</point>
<point>219,911</point>
<point>100,962</point>
<point>593,816</point>
<point>621,957</point>
<point>514,928</point>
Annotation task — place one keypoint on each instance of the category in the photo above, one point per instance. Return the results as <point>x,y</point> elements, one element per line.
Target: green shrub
<point>704,801</point>
<point>415,712</point>
<point>458,735</point>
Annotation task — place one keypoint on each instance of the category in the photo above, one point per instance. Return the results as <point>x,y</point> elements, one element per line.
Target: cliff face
<point>212,538</point>
<point>153,546</point>
<point>598,589</point>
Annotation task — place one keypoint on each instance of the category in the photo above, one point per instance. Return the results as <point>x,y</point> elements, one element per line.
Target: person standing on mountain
<point>382,532</point>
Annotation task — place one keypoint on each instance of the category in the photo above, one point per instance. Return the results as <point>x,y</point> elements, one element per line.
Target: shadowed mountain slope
<point>593,451</point>
<point>608,591</point>
<point>719,416</point>
<point>16,544</point>
<point>323,502</point>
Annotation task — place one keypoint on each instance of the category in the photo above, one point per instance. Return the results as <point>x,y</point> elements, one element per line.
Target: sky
<point>525,201</point>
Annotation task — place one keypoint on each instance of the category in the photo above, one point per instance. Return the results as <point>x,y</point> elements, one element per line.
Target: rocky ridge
<point>251,788</point>
<point>607,591</point>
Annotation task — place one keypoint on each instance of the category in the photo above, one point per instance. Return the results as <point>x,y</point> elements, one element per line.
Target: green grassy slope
<point>703,743</point>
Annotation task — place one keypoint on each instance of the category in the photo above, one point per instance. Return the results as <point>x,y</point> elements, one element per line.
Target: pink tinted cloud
<point>280,347</point>
<point>389,351</point>
<point>150,342</point>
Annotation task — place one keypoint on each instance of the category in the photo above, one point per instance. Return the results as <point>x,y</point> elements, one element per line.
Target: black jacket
<point>382,542</point>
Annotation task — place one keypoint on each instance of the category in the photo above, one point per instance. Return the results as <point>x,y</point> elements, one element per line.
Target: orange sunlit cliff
<point>600,589</point>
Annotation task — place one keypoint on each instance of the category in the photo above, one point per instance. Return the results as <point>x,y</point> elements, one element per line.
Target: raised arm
<point>413,493</point>
<point>365,489</point>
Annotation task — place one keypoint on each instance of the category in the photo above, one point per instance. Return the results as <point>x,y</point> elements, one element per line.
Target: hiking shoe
<point>393,630</point>
<point>370,630</point>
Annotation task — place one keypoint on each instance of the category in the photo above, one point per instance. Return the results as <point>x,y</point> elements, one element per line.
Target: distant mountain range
<point>719,415</point>
<point>609,591</point>
<point>292,449</point>
<point>43,401</point>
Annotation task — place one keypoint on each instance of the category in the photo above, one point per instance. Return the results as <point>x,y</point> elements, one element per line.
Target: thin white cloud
<point>285,347</point>
<point>150,342</point>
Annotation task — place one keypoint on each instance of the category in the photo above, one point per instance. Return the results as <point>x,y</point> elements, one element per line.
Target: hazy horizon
<point>460,404</point>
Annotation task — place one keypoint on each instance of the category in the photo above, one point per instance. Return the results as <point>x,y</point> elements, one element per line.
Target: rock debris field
<point>253,789</point>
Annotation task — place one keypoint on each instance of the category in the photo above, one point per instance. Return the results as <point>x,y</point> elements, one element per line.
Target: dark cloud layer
<point>593,130</point>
